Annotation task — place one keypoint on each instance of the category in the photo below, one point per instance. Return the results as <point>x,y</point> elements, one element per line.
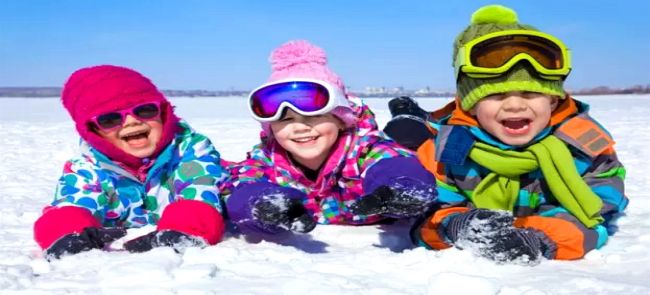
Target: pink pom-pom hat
<point>299,59</point>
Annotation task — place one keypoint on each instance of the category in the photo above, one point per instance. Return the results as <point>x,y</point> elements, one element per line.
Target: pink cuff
<point>57,222</point>
<point>195,218</point>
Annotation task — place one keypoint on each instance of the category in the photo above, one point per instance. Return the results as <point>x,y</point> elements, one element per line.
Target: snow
<point>36,137</point>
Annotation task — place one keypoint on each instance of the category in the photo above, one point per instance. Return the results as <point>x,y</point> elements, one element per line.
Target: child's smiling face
<point>308,139</point>
<point>515,118</point>
<point>136,137</point>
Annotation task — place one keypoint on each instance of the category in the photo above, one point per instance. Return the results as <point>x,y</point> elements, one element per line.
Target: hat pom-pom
<point>495,14</point>
<point>297,52</point>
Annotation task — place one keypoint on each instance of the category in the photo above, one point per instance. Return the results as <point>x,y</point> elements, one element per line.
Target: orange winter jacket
<point>446,155</point>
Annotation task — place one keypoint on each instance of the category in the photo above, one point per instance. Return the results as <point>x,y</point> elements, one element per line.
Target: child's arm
<point>80,189</point>
<point>78,209</point>
<point>567,235</point>
<point>487,233</point>
<point>81,233</point>
<point>270,208</point>
<point>197,209</point>
<point>194,217</point>
<point>395,184</point>
<point>257,204</point>
<point>430,232</point>
<point>606,178</point>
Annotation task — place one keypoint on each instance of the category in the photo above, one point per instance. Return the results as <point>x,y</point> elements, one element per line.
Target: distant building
<point>423,91</point>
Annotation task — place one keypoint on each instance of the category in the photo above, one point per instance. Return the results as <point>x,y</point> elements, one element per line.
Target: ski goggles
<point>494,54</point>
<point>109,121</point>
<point>306,97</point>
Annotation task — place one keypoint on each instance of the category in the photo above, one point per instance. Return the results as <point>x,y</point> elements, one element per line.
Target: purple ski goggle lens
<point>303,95</point>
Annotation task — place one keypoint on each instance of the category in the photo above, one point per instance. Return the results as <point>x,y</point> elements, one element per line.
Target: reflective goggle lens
<point>496,52</point>
<point>115,119</point>
<point>303,95</point>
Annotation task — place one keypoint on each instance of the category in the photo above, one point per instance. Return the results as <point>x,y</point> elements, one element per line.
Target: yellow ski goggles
<point>494,54</point>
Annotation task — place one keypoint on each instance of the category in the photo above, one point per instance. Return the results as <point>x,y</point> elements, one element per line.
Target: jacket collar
<point>458,129</point>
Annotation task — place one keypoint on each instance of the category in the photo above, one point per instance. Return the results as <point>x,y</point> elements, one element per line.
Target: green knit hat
<point>522,77</point>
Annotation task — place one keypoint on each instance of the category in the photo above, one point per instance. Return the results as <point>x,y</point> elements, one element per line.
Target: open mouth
<point>136,136</point>
<point>516,126</point>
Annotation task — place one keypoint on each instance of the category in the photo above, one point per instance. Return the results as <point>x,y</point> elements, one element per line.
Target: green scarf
<point>500,188</point>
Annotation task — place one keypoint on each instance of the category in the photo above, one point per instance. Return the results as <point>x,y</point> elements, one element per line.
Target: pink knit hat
<point>101,89</point>
<point>302,60</point>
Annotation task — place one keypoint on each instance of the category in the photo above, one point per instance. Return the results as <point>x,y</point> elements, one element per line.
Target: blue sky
<point>225,44</point>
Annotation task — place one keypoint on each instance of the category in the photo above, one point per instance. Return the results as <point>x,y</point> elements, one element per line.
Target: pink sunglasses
<point>109,121</point>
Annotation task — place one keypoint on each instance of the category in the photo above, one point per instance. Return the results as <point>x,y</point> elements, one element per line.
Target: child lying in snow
<point>513,143</point>
<point>321,159</point>
<point>139,165</point>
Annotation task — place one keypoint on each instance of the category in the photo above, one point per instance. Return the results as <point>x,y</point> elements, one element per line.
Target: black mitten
<point>400,200</point>
<point>491,234</point>
<point>166,238</point>
<point>89,238</point>
<point>514,245</point>
<point>279,211</point>
<point>476,225</point>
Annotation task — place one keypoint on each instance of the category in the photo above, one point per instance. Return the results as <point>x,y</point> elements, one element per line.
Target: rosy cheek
<point>110,136</point>
<point>157,129</point>
<point>113,139</point>
<point>156,126</point>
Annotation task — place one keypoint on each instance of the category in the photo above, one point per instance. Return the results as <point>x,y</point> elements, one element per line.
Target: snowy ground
<point>36,137</point>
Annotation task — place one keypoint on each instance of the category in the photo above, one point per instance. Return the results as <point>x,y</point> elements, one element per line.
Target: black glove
<point>166,238</point>
<point>279,211</point>
<point>392,202</point>
<point>515,245</point>
<point>476,224</point>
<point>491,234</point>
<point>89,238</point>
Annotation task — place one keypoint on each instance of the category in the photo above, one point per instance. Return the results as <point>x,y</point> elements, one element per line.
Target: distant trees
<point>30,91</point>
<point>56,91</point>
<point>637,89</point>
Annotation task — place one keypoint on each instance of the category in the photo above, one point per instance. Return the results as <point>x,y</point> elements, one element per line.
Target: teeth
<point>305,139</point>
<point>134,134</point>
